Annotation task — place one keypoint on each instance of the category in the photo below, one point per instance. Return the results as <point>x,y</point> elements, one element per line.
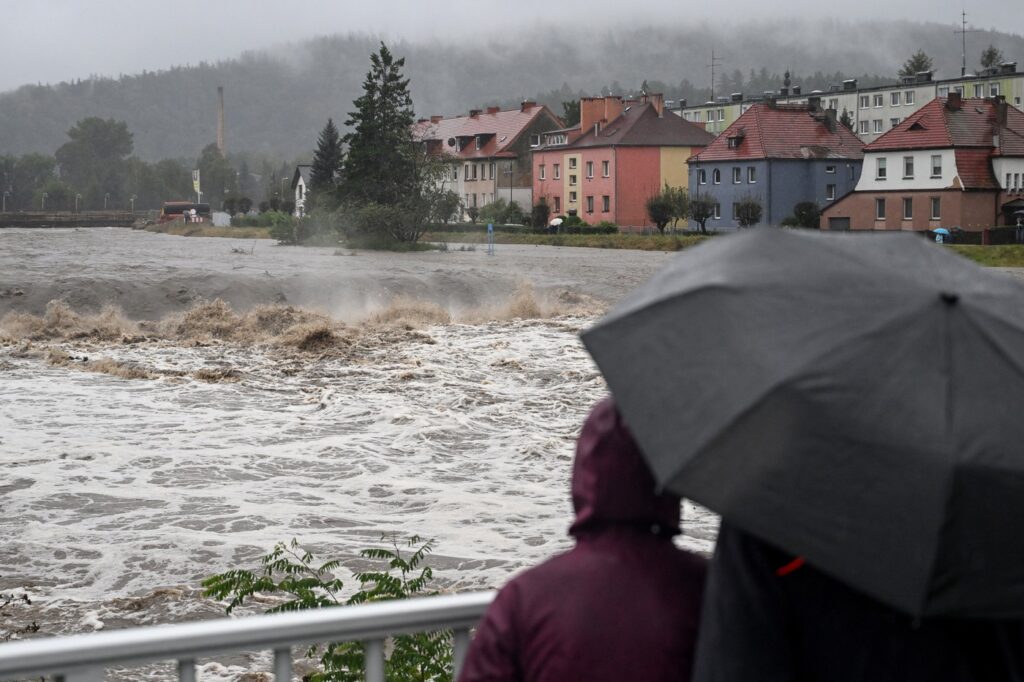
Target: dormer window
<point>534,140</point>
<point>735,140</point>
<point>478,145</point>
<point>557,139</point>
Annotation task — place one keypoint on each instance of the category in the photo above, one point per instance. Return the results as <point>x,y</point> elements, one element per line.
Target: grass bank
<point>594,241</point>
<point>208,230</point>
<point>1005,256</point>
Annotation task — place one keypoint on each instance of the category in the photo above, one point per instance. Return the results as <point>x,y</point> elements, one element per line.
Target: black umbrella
<point>855,399</point>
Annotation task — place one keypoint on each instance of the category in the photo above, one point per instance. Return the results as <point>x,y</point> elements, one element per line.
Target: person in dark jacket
<point>623,604</point>
<point>768,616</point>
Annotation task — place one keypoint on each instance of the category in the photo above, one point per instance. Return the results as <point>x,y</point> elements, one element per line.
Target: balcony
<point>85,658</point>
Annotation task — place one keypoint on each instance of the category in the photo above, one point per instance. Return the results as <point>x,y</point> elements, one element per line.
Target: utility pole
<point>963,31</point>
<point>715,61</point>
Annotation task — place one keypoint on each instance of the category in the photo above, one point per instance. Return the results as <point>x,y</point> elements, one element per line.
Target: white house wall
<point>922,179</point>
<point>1012,166</point>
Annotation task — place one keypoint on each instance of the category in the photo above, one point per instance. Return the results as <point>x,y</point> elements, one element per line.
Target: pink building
<point>621,153</point>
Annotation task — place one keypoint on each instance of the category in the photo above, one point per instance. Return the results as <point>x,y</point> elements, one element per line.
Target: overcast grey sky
<point>53,40</point>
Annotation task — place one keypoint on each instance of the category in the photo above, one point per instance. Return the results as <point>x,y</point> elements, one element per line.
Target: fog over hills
<point>277,100</point>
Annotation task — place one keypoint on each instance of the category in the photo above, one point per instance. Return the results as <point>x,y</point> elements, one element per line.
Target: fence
<point>85,658</point>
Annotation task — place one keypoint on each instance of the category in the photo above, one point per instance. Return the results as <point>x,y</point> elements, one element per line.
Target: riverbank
<point>209,230</point>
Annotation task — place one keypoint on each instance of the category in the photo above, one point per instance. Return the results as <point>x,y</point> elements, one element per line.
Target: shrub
<point>291,571</point>
<point>807,214</point>
<point>540,214</point>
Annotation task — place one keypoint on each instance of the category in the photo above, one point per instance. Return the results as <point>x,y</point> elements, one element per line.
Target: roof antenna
<point>963,31</point>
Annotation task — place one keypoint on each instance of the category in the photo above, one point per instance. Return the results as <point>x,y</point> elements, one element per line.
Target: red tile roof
<point>500,129</point>
<point>640,126</point>
<point>974,166</point>
<point>936,126</point>
<point>783,131</point>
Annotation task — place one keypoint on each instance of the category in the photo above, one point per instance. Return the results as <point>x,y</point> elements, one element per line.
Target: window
<point>734,142</point>
<point>735,211</point>
<point>590,204</point>
<point>993,89</point>
<point>474,170</point>
<point>936,165</point>
<point>880,169</point>
<point>572,162</point>
<point>879,209</point>
<point>908,167</point>
<point>466,173</point>
<point>894,99</point>
<point>542,176</point>
<point>830,192</point>
<point>979,90</point>
<point>716,176</point>
<point>959,89</point>
<point>558,205</point>
<point>697,116</point>
<point>534,140</point>
<point>1007,185</point>
<point>865,127</point>
<point>474,200</point>
<point>605,169</point>
<point>718,211</point>
<point>908,96</point>
<point>751,174</point>
<point>721,114</point>
<point>893,122</point>
<point>606,203</point>
<point>908,208</point>
<point>737,175</point>
<point>877,125</point>
<point>558,171</point>
<point>492,171</point>
<point>864,101</point>
<point>833,103</point>
<point>590,169</point>
<point>944,91</point>
<point>455,172</point>
<point>477,142</point>
<point>849,172</point>
<point>936,208</point>
<point>702,176</point>
<point>572,180</point>
<point>572,197</point>
<point>1016,181</point>
<point>879,100</point>
<point>830,169</point>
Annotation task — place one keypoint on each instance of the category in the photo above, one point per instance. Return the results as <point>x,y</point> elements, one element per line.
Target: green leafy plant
<point>293,572</point>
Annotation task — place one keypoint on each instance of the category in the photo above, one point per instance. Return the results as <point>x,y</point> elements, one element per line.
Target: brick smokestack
<point>953,102</point>
<point>599,110</point>
<point>220,119</point>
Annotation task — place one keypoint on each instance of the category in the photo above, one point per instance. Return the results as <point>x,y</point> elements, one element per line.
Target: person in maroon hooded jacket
<point>623,604</point>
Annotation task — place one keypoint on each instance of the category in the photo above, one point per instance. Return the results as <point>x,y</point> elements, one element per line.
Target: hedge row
<point>471,228</point>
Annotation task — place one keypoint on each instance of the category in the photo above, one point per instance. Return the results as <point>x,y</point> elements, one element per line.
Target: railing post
<point>374,653</point>
<point>460,646</point>
<point>283,665</point>
<point>187,670</point>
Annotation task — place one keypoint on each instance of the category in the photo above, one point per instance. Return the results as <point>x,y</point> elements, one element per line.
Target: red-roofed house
<point>622,153</point>
<point>953,163</point>
<point>779,155</point>
<point>489,151</point>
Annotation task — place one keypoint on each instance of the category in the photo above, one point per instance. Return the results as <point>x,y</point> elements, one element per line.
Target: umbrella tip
<point>949,298</point>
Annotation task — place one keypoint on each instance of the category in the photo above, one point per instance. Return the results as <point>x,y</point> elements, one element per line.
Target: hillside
<point>278,99</point>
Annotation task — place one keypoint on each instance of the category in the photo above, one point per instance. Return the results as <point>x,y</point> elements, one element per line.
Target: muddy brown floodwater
<point>172,407</point>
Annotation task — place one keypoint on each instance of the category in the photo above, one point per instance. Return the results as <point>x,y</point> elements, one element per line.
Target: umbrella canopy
<point>854,399</point>
<point>555,222</point>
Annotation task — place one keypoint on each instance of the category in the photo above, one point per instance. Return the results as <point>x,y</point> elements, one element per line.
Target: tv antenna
<point>715,61</point>
<point>963,31</point>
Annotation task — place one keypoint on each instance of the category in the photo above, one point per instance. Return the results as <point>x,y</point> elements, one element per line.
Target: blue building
<point>778,155</point>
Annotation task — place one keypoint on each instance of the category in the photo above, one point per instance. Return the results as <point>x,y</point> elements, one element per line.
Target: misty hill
<point>278,100</point>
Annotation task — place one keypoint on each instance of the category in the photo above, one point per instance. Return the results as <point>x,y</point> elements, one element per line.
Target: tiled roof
<point>500,129</point>
<point>974,166</point>
<point>641,126</point>
<point>936,126</point>
<point>783,131</point>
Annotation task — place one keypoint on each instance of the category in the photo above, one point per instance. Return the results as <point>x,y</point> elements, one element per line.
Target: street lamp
<point>42,203</point>
<point>77,197</point>
<point>106,197</point>
<point>132,200</point>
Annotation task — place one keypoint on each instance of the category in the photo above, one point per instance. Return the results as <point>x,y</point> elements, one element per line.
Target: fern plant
<point>292,571</point>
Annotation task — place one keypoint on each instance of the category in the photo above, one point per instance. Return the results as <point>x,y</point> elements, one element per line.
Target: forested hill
<point>277,100</point>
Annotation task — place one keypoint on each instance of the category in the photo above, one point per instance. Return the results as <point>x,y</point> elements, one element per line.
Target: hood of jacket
<point>611,483</point>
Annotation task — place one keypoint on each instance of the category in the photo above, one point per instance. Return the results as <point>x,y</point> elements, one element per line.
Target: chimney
<point>595,110</point>
<point>814,102</point>
<point>953,101</point>
<point>1001,110</point>
<point>473,113</point>
<point>436,119</point>
<point>738,96</point>
<point>784,91</point>
<point>796,90</point>
<point>527,105</point>
<point>850,84</point>
<point>769,98</point>
<point>657,100</point>
<point>220,119</point>
<point>830,120</point>
<point>493,110</point>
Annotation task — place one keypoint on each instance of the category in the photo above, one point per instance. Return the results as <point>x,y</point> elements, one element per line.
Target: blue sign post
<point>490,239</point>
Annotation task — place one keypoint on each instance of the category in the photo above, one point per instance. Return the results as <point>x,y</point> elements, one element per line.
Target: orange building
<point>622,153</point>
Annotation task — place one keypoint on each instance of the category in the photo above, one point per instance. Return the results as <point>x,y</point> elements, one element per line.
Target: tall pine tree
<point>381,164</point>
<point>326,168</point>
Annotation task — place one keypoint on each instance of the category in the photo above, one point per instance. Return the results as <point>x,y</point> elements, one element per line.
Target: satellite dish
<point>451,141</point>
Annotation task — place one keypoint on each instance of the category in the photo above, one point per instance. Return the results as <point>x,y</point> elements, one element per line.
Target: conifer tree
<point>918,62</point>
<point>381,164</point>
<point>326,160</point>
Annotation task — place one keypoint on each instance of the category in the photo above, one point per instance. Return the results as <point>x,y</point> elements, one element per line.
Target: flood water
<point>147,446</point>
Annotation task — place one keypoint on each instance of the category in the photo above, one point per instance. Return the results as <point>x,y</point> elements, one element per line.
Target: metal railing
<point>85,658</point>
